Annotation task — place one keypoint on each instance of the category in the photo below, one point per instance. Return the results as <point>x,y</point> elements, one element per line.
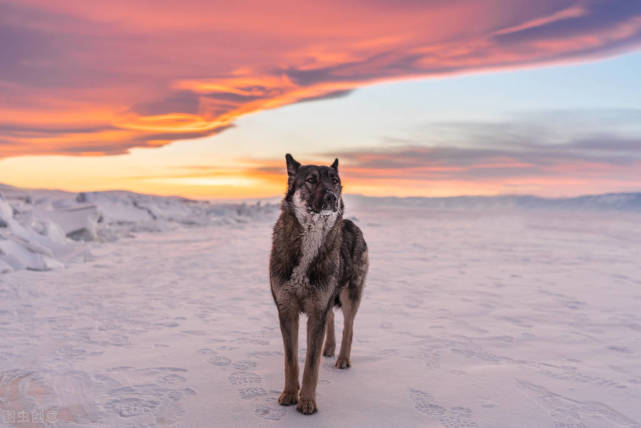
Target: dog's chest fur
<point>315,228</point>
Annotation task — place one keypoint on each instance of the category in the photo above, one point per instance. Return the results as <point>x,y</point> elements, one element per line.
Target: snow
<point>38,227</point>
<point>477,312</point>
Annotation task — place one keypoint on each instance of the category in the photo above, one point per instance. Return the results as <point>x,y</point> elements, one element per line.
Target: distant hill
<point>607,201</point>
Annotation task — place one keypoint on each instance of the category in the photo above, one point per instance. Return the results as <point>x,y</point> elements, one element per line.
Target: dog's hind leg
<point>288,317</point>
<point>330,335</point>
<point>350,300</point>
<point>315,333</point>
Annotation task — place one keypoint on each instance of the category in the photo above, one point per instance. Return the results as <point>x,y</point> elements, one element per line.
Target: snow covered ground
<point>119,309</point>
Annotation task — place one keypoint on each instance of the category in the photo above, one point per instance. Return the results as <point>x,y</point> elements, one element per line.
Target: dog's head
<point>314,189</point>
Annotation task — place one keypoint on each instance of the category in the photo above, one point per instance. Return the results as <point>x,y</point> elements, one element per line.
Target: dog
<point>318,260</point>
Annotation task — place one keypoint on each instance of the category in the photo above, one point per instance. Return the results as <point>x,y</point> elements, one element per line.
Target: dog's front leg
<point>315,333</point>
<point>288,318</point>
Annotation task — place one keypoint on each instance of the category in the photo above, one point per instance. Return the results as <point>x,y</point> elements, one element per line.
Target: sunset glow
<point>203,98</point>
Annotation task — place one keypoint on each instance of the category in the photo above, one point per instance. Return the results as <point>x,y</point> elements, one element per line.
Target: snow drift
<point>47,229</point>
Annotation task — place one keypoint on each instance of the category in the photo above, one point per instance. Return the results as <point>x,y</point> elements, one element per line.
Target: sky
<point>416,98</point>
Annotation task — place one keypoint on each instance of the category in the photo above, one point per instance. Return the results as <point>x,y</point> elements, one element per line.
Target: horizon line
<point>257,198</point>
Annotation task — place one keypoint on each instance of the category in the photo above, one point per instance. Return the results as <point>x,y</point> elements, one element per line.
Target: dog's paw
<point>306,406</point>
<point>343,362</point>
<point>288,398</point>
<point>328,351</point>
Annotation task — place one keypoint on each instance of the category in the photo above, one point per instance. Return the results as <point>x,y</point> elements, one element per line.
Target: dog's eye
<point>334,180</point>
<point>311,180</point>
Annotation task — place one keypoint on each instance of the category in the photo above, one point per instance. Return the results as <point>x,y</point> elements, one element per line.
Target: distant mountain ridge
<point>625,201</point>
<point>607,201</point>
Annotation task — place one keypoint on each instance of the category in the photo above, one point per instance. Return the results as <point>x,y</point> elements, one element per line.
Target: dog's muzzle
<point>330,202</point>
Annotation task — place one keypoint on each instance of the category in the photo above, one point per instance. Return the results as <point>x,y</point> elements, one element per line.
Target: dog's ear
<point>335,164</point>
<point>292,165</point>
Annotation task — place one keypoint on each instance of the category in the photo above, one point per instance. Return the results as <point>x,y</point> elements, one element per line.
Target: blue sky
<point>553,105</point>
<point>576,98</point>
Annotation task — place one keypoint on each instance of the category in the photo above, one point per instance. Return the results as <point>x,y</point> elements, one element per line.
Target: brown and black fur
<point>318,261</point>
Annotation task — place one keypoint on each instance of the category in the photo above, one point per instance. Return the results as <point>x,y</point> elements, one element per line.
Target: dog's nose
<point>330,198</point>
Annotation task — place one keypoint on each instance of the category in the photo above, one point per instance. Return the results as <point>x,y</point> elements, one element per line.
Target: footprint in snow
<point>244,364</point>
<point>243,378</point>
<point>219,360</point>
<point>270,409</point>
<point>452,417</point>
<point>251,392</point>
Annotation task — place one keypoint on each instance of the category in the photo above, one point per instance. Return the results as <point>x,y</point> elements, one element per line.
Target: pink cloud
<point>78,77</point>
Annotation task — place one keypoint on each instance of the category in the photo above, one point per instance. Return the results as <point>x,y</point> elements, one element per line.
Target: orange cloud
<point>78,78</point>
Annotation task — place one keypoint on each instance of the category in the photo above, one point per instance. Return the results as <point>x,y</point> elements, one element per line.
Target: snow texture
<point>481,312</point>
<point>38,227</point>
